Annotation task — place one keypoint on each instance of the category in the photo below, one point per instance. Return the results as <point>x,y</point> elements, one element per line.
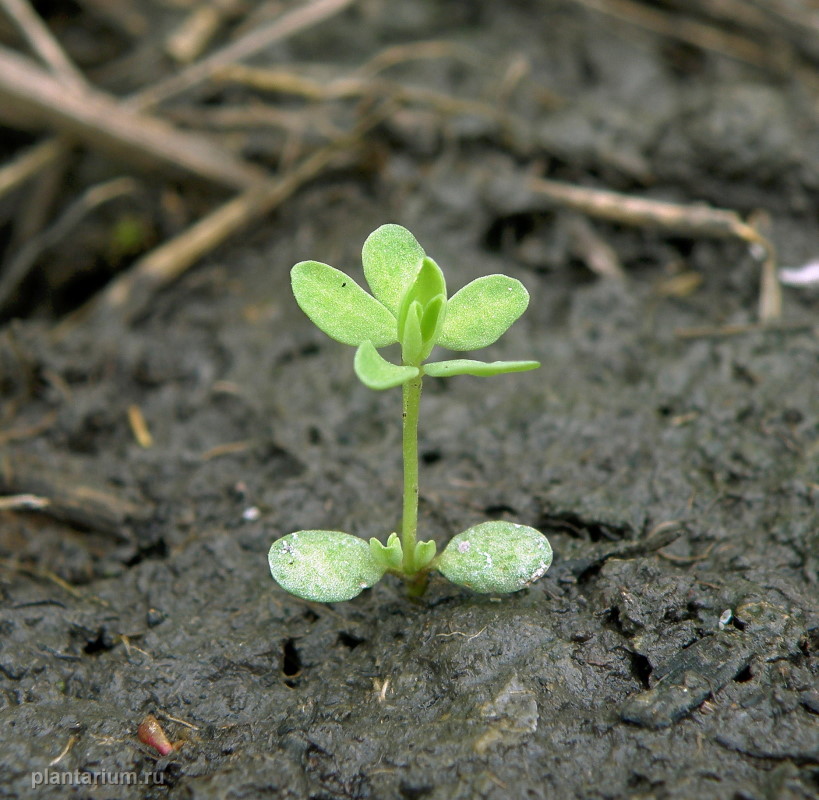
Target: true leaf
<point>424,553</point>
<point>412,342</point>
<point>481,312</point>
<point>428,284</point>
<point>496,556</point>
<point>340,307</point>
<point>390,555</point>
<point>324,566</point>
<point>431,323</point>
<point>375,372</point>
<point>392,257</point>
<point>465,366</point>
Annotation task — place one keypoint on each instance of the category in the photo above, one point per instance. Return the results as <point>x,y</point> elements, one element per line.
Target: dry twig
<point>287,24</point>
<point>23,502</point>
<point>30,96</point>
<point>33,96</point>
<point>691,220</point>
<point>683,29</point>
<point>43,43</point>
<point>287,82</point>
<point>187,42</point>
<point>19,266</point>
<point>724,331</point>
<point>81,503</point>
<point>126,297</point>
<point>54,154</point>
<point>27,164</point>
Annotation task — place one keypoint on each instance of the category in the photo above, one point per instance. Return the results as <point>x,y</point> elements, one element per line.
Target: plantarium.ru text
<point>409,306</point>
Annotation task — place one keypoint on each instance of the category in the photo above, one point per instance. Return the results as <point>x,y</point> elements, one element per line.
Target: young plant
<point>409,306</point>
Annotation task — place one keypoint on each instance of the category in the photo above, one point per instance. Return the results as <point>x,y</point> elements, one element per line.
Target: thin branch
<point>30,94</point>
<point>27,164</point>
<point>697,34</point>
<point>19,266</point>
<point>691,220</point>
<point>187,42</point>
<point>286,82</point>
<point>298,19</point>
<point>127,296</point>
<point>43,42</point>
<point>32,216</point>
<point>80,502</point>
<point>23,502</point>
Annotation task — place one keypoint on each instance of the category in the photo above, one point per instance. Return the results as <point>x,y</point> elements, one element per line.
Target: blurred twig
<point>23,502</point>
<point>33,214</point>
<point>125,298</point>
<point>692,220</point>
<point>63,496</point>
<point>42,42</point>
<point>287,24</point>
<point>287,82</point>
<point>27,164</point>
<point>187,42</point>
<point>684,29</point>
<point>18,267</point>
<point>30,95</point>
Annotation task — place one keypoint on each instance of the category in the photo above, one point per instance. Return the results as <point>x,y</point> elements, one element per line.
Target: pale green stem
<point>409,525</point>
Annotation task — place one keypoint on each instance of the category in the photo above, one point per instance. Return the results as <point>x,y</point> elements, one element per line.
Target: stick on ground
<point>691,220</point>
<point>126,297</point>
<point>32,97</point>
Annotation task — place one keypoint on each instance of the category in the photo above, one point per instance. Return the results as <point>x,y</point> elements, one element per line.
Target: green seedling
<point>409,306</point>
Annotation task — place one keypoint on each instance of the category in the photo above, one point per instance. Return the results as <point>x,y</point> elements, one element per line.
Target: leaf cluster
<point>409,306</point>
<point>330,566</point>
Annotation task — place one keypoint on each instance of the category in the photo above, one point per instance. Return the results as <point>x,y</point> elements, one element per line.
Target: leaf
<point>324,566</point>
<point>391,555</point>
<point>427,286</point>
<point>431,323</point>
<point>340,307</point>
<point>496,557</point>
<point>465,366</point>
<point>412,342</point>
<point>375,372</point>
<point>391,258</point>
<point>482,312</point>
<point>428,283</point>
<point>424,553</point>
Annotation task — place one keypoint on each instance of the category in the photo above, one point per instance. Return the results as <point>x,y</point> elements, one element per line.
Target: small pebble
<point>155,617</point>
<point>251,514</point>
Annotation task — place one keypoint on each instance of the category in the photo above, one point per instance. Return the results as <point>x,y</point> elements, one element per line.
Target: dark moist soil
<point>675,476</point>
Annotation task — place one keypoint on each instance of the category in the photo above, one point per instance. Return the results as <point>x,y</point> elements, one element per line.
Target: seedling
<point>409,306</point>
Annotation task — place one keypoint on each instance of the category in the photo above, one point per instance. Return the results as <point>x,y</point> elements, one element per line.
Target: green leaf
<point>496,557</point>
<point>428,285</point>
<point>391,555</point>
<point>424,553</point>
<point>431,323</point>
<point>391,258</point>
<point>375,372</point>
<point>325,566</point>
<point>340,307</point>
<point>465,366</point>
<point>482,312</point>
<point>412,342</point>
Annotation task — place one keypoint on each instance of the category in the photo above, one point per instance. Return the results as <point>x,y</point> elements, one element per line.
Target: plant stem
<point>409,525</point>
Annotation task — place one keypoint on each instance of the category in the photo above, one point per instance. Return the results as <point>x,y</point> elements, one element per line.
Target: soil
<point>672,651</point>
